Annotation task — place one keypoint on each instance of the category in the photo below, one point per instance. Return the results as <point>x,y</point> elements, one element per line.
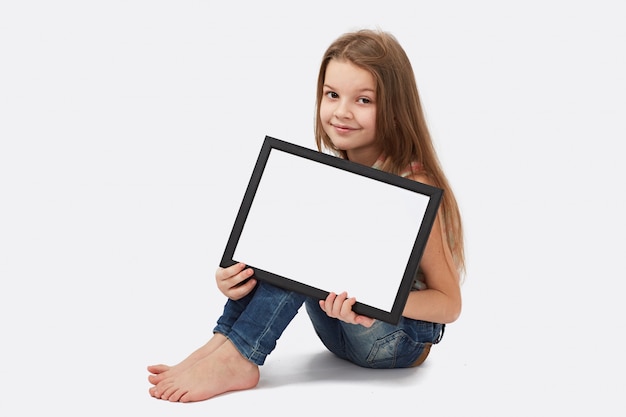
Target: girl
<point>368,111</point>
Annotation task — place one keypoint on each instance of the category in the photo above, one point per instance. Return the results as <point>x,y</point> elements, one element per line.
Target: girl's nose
<point>342,110</point>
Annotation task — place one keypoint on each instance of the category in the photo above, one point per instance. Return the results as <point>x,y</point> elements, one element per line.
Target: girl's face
<point>348,110</point>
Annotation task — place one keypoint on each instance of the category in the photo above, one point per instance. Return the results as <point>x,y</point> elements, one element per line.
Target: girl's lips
<point>343,128</point>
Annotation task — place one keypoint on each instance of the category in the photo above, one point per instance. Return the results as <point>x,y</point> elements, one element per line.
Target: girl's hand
<point>340,307</point>
<point>232,282</point>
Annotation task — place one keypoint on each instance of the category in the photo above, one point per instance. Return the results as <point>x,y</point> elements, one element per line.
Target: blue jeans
<point>255,323</point>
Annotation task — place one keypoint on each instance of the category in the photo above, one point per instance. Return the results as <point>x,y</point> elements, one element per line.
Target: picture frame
<point>313,223</point>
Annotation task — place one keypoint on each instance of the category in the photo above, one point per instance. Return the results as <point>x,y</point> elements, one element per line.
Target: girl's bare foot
<point>160,372</point>
<point>222,371</point>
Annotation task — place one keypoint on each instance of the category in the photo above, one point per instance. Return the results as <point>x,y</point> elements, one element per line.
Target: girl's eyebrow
<point>363,90</point>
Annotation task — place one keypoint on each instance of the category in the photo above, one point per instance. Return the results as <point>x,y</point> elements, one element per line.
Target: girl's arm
<point>441,301</point>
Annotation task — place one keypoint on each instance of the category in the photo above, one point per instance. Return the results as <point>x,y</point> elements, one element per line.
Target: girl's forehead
<point>349,74</point>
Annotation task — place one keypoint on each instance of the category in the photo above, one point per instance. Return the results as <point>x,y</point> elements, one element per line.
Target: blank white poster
<point>331,229</point>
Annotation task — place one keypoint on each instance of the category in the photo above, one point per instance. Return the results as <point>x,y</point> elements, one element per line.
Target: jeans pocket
<point>396,350</point>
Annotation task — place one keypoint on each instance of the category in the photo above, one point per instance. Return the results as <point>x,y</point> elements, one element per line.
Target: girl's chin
<point>341,145</point>
<point>342,148</point>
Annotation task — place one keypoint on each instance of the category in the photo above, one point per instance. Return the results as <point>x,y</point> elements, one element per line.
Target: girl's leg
<point>328,329</point>
<point>261,323</point>
<point>232,310</point>
<point>381,346</point>
<point>249,338</point>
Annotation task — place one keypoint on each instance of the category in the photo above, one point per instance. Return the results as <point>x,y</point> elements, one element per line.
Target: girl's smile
<point>342,128</point>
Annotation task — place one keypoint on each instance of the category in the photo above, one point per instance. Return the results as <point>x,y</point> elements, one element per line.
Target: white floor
<point>91,304</point>
<point>127,135</point>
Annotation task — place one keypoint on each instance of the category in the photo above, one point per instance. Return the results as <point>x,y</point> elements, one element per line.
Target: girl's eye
<point>331,94</point>
<point>364,100</point>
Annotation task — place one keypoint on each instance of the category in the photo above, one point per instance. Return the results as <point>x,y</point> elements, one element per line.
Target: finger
<point>327,304</point>
<point>226,281</point>
<point>364,321</point>
<point>338,304</point>
<point>347,314</point>
<point>239,278</point>
<point>242,290</point>
<point>346,307</point>
<point>224,273</point>
<point>233,280</point>
<point>235,269</point>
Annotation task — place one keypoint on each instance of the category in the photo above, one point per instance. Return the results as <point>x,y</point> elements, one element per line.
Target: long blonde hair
<point>401,129</point>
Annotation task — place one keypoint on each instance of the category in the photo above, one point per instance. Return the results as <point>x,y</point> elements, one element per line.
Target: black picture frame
<point>306,218</point>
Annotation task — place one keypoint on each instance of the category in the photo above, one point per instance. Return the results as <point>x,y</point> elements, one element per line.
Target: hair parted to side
<point>401,129</point>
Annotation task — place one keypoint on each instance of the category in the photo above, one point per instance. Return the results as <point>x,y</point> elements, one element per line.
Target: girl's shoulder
<point>415,171</point>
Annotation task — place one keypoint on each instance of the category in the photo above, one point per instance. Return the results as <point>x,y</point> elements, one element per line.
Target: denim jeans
<point>255,323</point>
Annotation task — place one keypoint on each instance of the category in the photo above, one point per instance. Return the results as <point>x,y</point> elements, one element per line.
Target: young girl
<point>369,112</point>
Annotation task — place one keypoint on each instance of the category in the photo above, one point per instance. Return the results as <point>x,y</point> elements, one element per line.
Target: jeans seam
<point>256,349</point>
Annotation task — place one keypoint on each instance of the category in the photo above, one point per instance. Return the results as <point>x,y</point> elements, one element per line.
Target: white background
<point>128,133</point>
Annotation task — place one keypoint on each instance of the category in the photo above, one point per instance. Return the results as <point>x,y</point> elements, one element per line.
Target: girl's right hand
<point>232,282</point>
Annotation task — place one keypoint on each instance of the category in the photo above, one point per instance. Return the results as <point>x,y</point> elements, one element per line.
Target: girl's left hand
<point>340,307</point>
